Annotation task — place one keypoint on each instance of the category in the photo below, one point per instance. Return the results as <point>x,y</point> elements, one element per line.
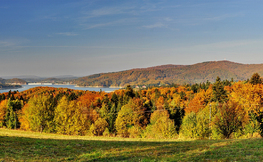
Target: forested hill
<point>168,74</point>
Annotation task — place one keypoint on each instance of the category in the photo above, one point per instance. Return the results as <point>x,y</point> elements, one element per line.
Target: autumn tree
<point>69,118</point>
<point>124,121</point>
<point>39,114</point>
<point>3,109</point>
<point>99,127</point>
<point>228,119</point>
<point>161,126</point>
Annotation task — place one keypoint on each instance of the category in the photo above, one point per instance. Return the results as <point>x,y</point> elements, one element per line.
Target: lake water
<point>25,87</point>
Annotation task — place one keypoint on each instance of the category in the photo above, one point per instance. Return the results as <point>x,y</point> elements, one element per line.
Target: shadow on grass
<point>33,149</point>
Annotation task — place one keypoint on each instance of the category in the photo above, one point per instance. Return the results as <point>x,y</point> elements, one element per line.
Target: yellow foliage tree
<point>160,126</point>
<point>69,118</point>
<point>3,108</point>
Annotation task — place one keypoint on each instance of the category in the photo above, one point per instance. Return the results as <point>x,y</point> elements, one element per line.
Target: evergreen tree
<point>11,119</point>
<point>219,94</point>
<point>112,118</point>
<point>129,92</point>
<point>114,98</point>
<point>255,79</point>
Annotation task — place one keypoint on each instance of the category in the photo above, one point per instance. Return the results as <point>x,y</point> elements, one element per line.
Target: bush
<point>106,133</point>
<point>134,132</point>
<point>161,126</point>
<point>196,125</point>
<point>188,127</point>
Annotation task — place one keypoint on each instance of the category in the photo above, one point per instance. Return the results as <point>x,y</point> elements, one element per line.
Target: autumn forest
<point>223,109</point>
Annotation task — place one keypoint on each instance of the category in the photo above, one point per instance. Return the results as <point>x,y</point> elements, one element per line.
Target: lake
<point>25,87</point>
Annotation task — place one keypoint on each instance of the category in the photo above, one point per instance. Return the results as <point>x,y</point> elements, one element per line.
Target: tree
<point>255,79</point>
<point>228,119</point>
<point>129,92</point>
<point>99,126</point>
<point>161,126</point>
<point>112,118</point>
<point>124,121</point>
<point>69,118</point>
<point>39,114</point>
<point>114,98</point>
<point>219,94</point>
<point>3,108</point>
<point>11,117</point>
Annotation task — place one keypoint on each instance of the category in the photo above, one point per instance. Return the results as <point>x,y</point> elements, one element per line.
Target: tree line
<point>224,109</point>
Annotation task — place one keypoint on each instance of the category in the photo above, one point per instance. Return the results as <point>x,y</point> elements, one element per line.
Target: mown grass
<point>18,145</point>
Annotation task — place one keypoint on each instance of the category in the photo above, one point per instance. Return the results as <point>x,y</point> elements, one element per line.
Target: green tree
<point>219,94</point>
<point>129,92</point>
<point>255,79</point>
<point>112,118</point>
<point>11,117</point>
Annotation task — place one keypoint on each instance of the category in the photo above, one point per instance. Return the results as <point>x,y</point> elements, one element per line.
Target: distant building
<point>47,83</point>
<point>40,83</point>
<point>34,84</point>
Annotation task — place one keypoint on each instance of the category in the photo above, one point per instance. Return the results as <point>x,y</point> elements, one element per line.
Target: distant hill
<point>14,81</point>
<point>23,77</point>
<point>168,74</point>
<point>60,80</point>
<point>33,79</point>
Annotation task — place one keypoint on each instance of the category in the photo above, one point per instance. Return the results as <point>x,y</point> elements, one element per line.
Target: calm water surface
<point>25,87</point>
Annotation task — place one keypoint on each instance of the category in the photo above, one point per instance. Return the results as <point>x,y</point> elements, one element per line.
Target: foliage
<point>219,94</point>
<point>11,116</point>
<point>38,114</point>
<point>160,126</point>
<point>69,118</point>
<point>224,109</point>
<point>100,126</point>
<point>124,121</point>
<point>228,119</point>
<point>3,109</point>
<point>255,79</point>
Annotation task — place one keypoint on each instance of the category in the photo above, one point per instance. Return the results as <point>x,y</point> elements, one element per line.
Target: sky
<point>83,37</point>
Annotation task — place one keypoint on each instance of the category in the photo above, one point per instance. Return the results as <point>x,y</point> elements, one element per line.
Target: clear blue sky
<point>62,37</point>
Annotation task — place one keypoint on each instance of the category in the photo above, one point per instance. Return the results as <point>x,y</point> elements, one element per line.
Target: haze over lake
<point>26,87</point>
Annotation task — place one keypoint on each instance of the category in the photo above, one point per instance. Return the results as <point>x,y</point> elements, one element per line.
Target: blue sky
<point>62,37</point>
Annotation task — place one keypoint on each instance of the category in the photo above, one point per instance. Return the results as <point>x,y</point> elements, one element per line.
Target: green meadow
<point>16,145</point>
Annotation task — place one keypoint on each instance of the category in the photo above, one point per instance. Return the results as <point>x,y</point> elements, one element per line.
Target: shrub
<point>161,126</point>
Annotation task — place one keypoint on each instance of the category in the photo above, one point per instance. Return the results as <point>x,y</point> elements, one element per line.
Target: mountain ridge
<point>168,74</point>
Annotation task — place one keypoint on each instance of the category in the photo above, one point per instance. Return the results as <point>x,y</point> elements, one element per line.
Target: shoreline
<point>71,86</point>
<point>5,88</point>
<point>99,86</point>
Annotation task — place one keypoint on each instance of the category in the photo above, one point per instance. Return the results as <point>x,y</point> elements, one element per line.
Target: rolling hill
<point>168,74</point>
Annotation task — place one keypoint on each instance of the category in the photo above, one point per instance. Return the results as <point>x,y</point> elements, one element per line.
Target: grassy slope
<point>30,146</point>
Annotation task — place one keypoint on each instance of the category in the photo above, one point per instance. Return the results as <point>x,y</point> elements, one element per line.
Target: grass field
<point>18,145</point>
